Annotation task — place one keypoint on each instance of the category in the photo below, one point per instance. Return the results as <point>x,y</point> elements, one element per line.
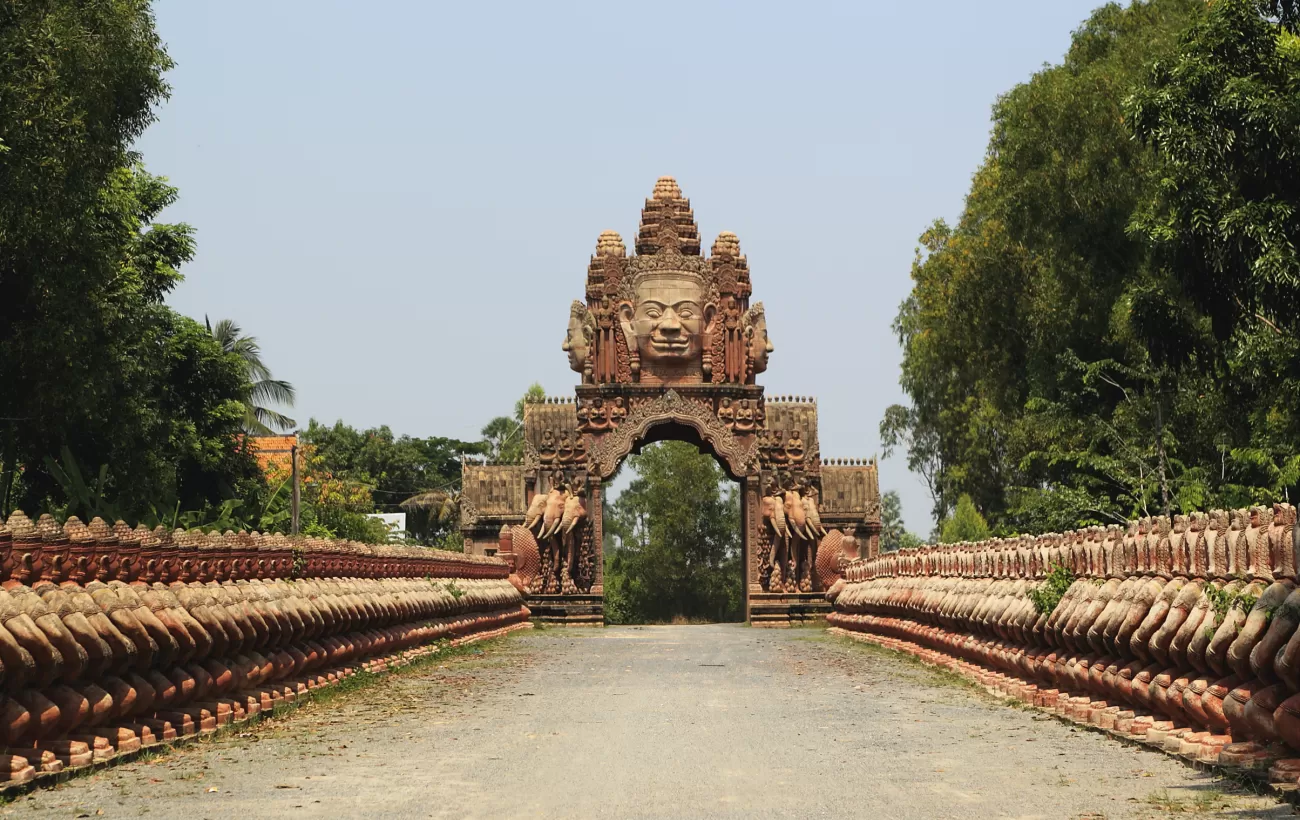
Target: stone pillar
<point>596,521</point>
<point>750,506</point>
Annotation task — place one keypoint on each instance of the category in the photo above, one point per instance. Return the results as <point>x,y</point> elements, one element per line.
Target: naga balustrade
<point>1179,632</point>
<point>114,638</point>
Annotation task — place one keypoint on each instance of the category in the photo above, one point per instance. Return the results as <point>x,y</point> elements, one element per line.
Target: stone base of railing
<point>55,761</point>
<point>568,610</point>
<point>1274,764</point>
<point>783,609</point>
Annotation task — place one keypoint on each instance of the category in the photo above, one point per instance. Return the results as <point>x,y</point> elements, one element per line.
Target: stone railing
<point>113,639</point>
<point>1181,633</point>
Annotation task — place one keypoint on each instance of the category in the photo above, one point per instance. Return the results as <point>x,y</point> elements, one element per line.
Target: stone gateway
<point>668,347</point>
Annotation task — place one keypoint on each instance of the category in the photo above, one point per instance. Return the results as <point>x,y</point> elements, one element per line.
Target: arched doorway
<point>672,538</point>
<point>668,347</point>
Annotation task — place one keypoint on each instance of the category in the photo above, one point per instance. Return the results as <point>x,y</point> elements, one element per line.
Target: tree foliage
<point>259,419</point>
<point>90,358</point>
<point>1065,345</point>
<point>375,471</point>
<point>894,534</point>
<point>672,541</point>
<point>965,524</point>
<point>504,435</point>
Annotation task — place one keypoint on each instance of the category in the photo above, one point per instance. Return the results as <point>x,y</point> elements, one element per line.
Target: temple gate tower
<point>668,346</point>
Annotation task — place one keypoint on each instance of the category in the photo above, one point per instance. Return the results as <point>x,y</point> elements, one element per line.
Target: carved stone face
<point>669,319</point>
<point>760,346</point>
<point>577,345</point>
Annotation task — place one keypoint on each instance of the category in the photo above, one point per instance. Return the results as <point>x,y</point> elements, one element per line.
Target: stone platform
<point>568,610</point>
<point>778,609</point>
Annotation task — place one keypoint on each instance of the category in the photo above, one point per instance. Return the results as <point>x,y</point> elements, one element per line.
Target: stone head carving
<point>578,340</point>
<point>758,346</point>
<point>666,319</point>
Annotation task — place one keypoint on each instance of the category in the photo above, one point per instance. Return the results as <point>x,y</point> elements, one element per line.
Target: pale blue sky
<point>399,199</point>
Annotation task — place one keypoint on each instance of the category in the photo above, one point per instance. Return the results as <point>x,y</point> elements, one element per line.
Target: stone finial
<point>727,244</point>
<point>127,536</point>
<point>100,529</point>
<point>20,525</point>
<point>47,528</point>
<point>610,244</point>
<point>147,536</point>
<point>667,188</point>
<point>77,531</point>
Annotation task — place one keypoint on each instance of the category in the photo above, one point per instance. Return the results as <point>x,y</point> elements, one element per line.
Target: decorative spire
<point>21,526</point>
<point>667,222</point>
<point>667,188</point>
<point>727,244</point>
<point>610,244</point>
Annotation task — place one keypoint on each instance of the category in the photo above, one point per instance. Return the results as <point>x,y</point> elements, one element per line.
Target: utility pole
<point>297,496</point>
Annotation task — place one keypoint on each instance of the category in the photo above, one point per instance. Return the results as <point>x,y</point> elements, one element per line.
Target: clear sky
<point>399,199</point>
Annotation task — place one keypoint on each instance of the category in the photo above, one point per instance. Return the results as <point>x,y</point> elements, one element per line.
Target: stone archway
<point>667,340</point>
<point>672,418</point>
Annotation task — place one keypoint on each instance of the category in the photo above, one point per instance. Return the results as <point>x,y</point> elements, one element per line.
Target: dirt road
<point>641,722</point>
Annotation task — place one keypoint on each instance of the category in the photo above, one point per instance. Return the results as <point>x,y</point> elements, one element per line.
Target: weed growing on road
<point>1229,792</point>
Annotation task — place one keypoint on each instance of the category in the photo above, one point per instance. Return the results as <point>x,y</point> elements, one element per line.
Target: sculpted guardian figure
<point>778,533</point>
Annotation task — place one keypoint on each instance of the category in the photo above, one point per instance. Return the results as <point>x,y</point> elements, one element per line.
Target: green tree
<point>1059,371</point>
<point>259,420</point>
<point>965,524</point>
<point>894,534</point>
<point>90,359</point>
<point>1223,117</point>
<point>504,435</point>
<point>673,541</point>
<point>399,472</point>
<point>163,422</point>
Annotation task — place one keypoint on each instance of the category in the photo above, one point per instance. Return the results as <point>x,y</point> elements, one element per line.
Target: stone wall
<point>113,639</point>
<point>1180,633</point>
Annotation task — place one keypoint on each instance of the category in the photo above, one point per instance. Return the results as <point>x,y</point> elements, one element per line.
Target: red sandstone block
<point>15,769</point>
<point>146,735</point>
<point>99,746</point>
<point>69,752</point>
<point>42,759</point>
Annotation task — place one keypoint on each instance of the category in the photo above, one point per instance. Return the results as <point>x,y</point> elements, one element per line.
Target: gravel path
<point>676,721</point>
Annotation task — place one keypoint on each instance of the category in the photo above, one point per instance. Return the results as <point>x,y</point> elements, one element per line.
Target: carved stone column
<point>750,505</point>
<point>596,521</point>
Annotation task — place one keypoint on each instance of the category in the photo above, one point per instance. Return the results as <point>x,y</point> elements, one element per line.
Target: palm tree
<point>259,420</point>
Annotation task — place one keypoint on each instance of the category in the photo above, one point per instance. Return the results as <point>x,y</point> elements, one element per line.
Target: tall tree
<point>90,359</point>
<point>504,435</point>
<point>259,419</point>
<point>1056,375</point>
<point>894,534</point>
<point>1223,116</point>
<point>965,524</point>
<point>674,544</point>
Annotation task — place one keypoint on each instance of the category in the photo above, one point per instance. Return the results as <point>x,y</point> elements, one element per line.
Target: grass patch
<point>1204,802</point>
<point>1227,792</point>
<point>935,674</point>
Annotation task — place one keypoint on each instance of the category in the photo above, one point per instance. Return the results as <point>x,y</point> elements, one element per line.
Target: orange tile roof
<point>273,452</point>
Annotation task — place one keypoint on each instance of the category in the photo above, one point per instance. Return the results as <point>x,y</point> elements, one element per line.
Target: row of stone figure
<point>113,637</point>
<point>1187,629</point>
<point>1253,543</point>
